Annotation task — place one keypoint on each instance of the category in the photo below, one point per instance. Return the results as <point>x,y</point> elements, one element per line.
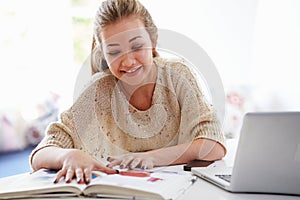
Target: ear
<point>154,52</point>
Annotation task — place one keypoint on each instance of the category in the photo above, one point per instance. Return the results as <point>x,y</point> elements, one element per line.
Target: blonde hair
<point>110,12</point>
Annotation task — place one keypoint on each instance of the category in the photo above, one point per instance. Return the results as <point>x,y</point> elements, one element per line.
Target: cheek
<point>114,67</point>
<point>110,60</point>
<point>144,56</point>
<point>113,63</point>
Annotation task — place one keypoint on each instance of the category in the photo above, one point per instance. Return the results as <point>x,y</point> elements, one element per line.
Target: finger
<point>114,162</point>
<point>79,175</point>
<point>61,173</point>
<point>135,163</point>
<point>110,159</point>
<point>147,164</point>
<point>87,175</point>
<point>126,162</point>
<point>104,169</point>
<point>69,175</point>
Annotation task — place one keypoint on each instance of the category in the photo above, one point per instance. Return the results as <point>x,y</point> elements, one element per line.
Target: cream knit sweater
<point>103,123</point>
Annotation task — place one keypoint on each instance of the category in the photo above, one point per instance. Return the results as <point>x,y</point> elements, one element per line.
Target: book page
<point>156,184</point>
<point>39,182</point>
<point>164,184</point>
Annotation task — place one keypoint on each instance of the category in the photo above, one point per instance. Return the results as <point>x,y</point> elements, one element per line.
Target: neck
<point>140,96</point>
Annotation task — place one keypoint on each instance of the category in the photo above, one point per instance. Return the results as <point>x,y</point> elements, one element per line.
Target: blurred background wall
<point>254,45</point>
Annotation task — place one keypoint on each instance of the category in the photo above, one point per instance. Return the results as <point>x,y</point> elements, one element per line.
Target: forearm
<point>48,157</point>
<point>199,149</point>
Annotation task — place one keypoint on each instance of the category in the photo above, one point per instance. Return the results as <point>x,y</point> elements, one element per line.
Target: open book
<point>159,184</point>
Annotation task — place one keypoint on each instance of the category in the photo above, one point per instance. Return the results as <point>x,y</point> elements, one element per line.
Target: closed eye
<point>113,53</point>
<point>137,47</point>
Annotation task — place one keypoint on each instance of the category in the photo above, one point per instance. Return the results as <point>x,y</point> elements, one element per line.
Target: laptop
<point>267,158</point>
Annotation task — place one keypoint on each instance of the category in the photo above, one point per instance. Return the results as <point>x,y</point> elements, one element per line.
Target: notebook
<point>267,158</point>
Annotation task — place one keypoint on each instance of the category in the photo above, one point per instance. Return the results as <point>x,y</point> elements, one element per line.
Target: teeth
<point>133,70</point>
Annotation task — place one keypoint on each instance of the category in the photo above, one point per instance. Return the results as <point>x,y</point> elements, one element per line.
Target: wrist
<point>63,154</point>
<point>154,157</point>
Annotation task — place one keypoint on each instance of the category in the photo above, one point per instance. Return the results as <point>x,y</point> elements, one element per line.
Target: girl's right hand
<point>79,165</point>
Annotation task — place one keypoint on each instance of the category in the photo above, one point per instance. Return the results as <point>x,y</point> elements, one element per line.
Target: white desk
<point>204,190</point>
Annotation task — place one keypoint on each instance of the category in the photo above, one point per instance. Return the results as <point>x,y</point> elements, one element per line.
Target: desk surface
<point>202,189</point>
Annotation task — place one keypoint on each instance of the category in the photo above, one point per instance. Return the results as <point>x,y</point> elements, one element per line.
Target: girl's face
<point>127,48</point>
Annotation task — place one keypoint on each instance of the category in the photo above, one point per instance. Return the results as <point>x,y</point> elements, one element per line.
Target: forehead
<point>123,29</point>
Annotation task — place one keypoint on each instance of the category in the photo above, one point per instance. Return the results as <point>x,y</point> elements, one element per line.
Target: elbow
<point>216,153</point>
<point>33,162</point>
<point>211,150</point>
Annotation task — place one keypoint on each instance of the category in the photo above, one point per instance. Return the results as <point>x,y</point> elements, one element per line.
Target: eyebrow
<point>132,39</point>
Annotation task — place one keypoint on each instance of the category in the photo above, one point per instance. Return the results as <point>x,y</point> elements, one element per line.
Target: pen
<point>123,173</point>
<point>168,172</point>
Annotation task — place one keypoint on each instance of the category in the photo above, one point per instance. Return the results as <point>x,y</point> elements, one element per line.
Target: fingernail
<point>68,181</point>
<point>87,181</point>
<point>130,167</point>
<point>121,166</point>
<point>108,158</point>
<point>107,165</point>
<point>78,180</point>
<point>55,181</point>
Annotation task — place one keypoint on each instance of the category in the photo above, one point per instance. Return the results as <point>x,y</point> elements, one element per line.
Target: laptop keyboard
<point>225,177</point>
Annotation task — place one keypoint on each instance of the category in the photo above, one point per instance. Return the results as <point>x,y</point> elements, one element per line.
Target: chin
<point>133,81</point>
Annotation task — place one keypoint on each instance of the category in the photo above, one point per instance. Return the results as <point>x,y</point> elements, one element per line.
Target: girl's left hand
<point>133,160</point>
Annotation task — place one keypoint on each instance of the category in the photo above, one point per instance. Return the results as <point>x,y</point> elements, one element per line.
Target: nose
<point>128,59</point>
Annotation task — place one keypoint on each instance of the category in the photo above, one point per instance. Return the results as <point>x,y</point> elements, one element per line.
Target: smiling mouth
<point>131,71</point>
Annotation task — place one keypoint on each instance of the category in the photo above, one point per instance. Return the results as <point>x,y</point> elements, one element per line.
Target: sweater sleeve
<point>198,117</point>
<point>74,122</point>
<point>57,134</point>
